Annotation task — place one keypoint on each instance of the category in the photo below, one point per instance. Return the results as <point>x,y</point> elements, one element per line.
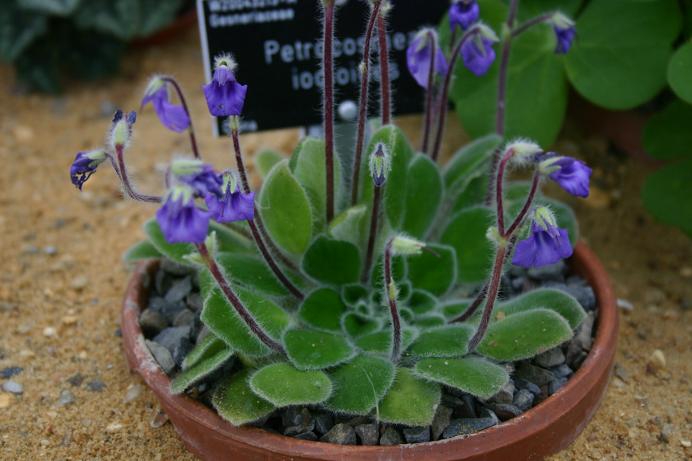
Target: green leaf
<point>140,251</point>
<point>230,241</point>
<point>349,225</point>
<point>360,384</point>
<point>423,196</point>
<point>251,272</point>
<point>473,375</point>
<point>666,194</point>
<point>410,401</point>
<point>422,302</point>
<point>201,369</point>
<point>667,134</point>
<point>447,341</point>
<point>309,167</point>
<point>531,8</point>
<point>454,308</point>
<point>18,29</point>
<point>332,261</point>
<point>173,251</point>
<point>471,161</point>
<point>283,385</point>
<point>619,58</point>
<point>549,298</point>
<point>680,72</point>
<point>358,325</point>
<point>524,335</point>
<point>353,294</point>
<point>536,98</point>
<point>322,309</point>
<point>51,7</point>
<point>126,19</point>
<point>381,341</point>
<point>209,346</point>
<point>285,208</point>
<point>395,188</point>
<point>265,161</point>
<point>430,321</point>
<point>236,403</point>
<point>224,322</point>
<point>466,233</point>
<point>436,272</point>
<point>316,350</point>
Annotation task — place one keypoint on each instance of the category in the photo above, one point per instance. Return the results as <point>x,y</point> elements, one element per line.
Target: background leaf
<point>667,134</point>
<point>18,29</point>
<point>680,72</point>
<point>466,234</point>
<point>332,261</point>
<point>666,194</point>
<point>620,56</point>
<point>423,196</point>
<point>435,273</point>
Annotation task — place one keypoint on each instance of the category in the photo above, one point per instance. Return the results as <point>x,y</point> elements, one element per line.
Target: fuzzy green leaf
<point>224,322</point>
<point>471,161</point>
<point>430,321</point>
<point>236,403</point>
<point>357,325</point>
<point>472,375</point>
<point>173,251</point>
<point>524,335</point>
<point>316,350</point>
<point>322,309</point>
<point>281,384</point>
<point>666,194</point>
<point>395,188</point>
<point>381,341</point>
<point>353,294</point>
<point>453,309</point>
<point>630,44</point>
<point>466,233</point>
<point>556,300</point>
<point>210,345</point>
<point>434,272</point>
<point>212,360</point>
<point>410,401</point>
<point>265,161</point>
<point>230,241</point>
<point>332,261</point>
<point>308,166</point>
<point>286,210</point>
<point>349,225</point>
<point>667,134</point>
<point>252,272</point>
<point>422,302</point>
<point>447,341</point>
<point>140,251</point>
<point>423,196</point>
<point>359,385</point>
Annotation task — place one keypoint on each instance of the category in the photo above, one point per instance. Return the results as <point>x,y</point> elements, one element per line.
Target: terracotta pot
<point>545,429</point>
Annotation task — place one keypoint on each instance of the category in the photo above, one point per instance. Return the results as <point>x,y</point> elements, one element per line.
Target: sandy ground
<point>62,281</point>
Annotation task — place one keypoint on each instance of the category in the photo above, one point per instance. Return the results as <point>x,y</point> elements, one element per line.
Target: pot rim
<point>536,420</point>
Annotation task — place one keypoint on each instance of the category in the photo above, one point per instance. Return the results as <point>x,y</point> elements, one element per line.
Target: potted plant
<point>322,318</point>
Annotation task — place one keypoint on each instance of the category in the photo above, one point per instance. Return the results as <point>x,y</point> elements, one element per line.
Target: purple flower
<point>463,13</point>
<point>547,243</point>
<point>232,205</point>
<point>200,176</point>
<point>225,96</point>
<point>179,218</point>
<point>419,57</point>
<point>174,117</point>
<point>565,32</point>
<point>84,165</point>
<point>478,54</point>
<point>570,174</point>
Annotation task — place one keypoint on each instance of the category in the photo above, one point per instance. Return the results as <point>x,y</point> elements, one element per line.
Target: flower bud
<point>493,234</point>
<point>121,130</point>
<point>380,165</point>
<point>524,150</point>
<point>544,218</point>
<point>565,32</point>
<point>405,246</point>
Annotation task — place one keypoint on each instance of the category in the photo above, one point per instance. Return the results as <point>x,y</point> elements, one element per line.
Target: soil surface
<point>62,279</point>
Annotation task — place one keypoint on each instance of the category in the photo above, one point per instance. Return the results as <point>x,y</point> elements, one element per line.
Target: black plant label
<point>277,44</point>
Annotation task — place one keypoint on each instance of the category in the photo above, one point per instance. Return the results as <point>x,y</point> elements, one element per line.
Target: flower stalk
<point>328,92</point>
<point>391,290</point>
<point>385,83</point>
<point>183,102</point>
<point>237,304</point>
<point>363,101</point>
<point>372,235</point>
<point>427,127</point>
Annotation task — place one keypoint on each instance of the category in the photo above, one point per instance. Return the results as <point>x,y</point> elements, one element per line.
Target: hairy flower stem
<point>237,304</point>
<point>391,291</point>
<point>121,171</point>
<point>385,83</point>
<point>526,25</point>
<point>429,94</point>
<point>376,199</point>
<point>234,123</point>
<point>363,102</point>
<point>328,69</point>
<point>504,247</point>
<point>444,94</point>
<point>256,224</point>
<point>183,102</point>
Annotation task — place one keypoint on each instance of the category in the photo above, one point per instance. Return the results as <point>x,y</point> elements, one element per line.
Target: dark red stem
<point>493,289</point>
<point>429,94</point>
<point>499,181</point>
<point>237,304</point>
<point>385,84</point>
<point>527,205</point>
<point>526,25</point>
<point>376,199</point>
<point>328,69</point>
<point>125,179</point>
<point>391,297</point>
<point>363,102</point>
<point>183,102</point>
